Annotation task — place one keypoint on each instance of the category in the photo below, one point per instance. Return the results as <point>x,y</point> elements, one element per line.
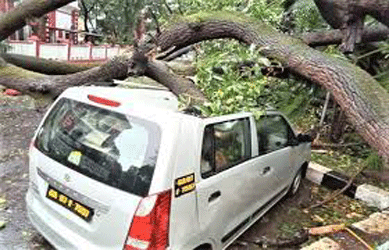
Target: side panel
<point>184,227</point>
<point>237,195</point>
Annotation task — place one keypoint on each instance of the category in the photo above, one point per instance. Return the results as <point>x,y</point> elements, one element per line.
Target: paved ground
<point>17,127</point>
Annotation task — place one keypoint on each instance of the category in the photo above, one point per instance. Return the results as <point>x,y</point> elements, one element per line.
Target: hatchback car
<point>114,168</point>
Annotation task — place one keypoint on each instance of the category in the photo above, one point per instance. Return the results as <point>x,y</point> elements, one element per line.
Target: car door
<point>225,194</point>
<point>275,154</point>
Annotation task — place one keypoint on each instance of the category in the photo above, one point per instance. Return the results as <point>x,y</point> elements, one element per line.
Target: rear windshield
<point>113,148</point>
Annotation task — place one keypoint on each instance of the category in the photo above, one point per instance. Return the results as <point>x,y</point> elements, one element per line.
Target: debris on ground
<point>298,239</point>
<point>12,92</point>
<point>326,229</point>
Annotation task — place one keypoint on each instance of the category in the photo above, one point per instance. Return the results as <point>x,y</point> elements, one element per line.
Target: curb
<point>372,195</point>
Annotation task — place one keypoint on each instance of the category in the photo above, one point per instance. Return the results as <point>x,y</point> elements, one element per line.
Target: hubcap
<point>296,183</point>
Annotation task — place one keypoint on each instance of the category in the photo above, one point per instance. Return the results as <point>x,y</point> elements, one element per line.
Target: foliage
<point>115,19</point>
<point>228,89</point>
<point>306,16</point>
<point>266,11</point>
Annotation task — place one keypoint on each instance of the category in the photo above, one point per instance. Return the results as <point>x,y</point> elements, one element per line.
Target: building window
<point>59,33</point>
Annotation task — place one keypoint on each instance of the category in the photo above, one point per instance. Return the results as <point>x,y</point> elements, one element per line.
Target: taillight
<point>150,225</point>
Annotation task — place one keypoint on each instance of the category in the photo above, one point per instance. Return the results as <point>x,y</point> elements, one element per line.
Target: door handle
<point>214,196</point>
<point>266,170</point>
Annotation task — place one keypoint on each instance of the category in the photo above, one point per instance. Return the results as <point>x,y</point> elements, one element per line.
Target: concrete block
<point>373,196</point>
<point>315,172</point>
<point>377,223</point>
<point>384,246</point>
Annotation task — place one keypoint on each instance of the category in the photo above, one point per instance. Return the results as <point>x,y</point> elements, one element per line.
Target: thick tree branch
<point>179,85</point>
<point>39,84</point>
<point>379,33</point>
<point>45,66</point>
<point>17,18</point>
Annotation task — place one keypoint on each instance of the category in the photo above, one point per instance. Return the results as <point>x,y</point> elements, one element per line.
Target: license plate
<point>76,207</point>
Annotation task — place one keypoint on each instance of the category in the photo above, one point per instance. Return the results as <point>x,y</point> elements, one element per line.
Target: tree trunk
<point>338,125</point>
<point>363,99</point>
<point>17,18</point>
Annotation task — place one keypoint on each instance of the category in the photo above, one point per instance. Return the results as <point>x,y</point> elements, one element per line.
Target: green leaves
<point>229,84</point>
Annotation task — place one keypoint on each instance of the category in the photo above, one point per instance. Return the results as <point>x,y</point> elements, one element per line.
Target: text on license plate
<point>76,207</point>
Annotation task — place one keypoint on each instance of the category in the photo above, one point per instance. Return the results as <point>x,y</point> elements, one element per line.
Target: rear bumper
<point>41,219</point>
<point>52,229</point>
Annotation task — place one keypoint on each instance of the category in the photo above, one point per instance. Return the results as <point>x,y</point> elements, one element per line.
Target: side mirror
<point>294,142</point>
<point>304,138</point>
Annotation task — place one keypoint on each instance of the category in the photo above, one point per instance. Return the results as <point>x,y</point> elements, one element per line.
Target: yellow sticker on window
<point>75,157</point>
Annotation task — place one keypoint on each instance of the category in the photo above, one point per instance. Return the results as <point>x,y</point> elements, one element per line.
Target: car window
<point>273,133</point>
<point>225,145</point>
<point>113,148</point>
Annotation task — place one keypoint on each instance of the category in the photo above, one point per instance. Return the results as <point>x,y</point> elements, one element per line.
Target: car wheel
<point>204,247</point>
<point>295,184</point>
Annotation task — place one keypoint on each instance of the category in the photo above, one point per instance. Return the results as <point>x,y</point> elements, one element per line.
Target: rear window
<point>113,148</point>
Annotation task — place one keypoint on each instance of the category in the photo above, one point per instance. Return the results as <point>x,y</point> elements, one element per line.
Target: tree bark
<point>348,16</point>
<point>36,84</point>
<point>17,18</point>
<point>363,99</point>
<point>313,39</point>
<point>45,66</point>
<point>179,85</point>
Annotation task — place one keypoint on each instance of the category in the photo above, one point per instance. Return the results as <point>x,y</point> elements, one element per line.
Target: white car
<point>114,168</point>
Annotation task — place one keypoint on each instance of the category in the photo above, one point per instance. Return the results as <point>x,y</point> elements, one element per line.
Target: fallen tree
<point>45,66</point>
<point>364,101</point>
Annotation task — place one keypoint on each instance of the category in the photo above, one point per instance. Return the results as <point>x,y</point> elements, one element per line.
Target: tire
<point>204,247</point>
<point>296,183</point>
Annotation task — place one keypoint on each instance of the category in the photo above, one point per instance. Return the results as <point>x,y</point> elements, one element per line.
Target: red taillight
<point>103,101</point>
<point>150,225</point>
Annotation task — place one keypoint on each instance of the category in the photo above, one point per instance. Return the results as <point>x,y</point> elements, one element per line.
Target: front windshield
<point>116,149</point>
